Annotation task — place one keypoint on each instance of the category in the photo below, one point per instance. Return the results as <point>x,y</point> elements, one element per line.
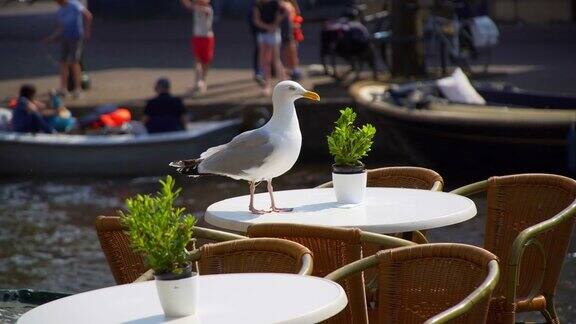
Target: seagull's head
<point>290,90</point>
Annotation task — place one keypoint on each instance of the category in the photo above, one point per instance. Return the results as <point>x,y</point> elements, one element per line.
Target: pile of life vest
<point>116,118</point>
<point>106,116</point>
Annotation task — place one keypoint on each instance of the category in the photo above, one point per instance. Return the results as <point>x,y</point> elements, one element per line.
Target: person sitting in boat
<point>60,118</point>
<point>28,117</point>
<point>165,113</point>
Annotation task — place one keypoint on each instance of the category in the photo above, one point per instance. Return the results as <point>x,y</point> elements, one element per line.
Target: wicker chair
<point>254,255</point>
<point>529,222</point>
<point>430,283</point>
<point>125,264</point>
<point>249,256</point>
<point>403,177</point>
<point>333,248</point>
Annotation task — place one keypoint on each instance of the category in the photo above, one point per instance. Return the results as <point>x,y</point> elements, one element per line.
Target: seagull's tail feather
<point>187,167</point>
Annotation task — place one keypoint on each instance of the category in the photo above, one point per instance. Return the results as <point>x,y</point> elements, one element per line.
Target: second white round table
<point>228,298</point>
<point>385,210</point>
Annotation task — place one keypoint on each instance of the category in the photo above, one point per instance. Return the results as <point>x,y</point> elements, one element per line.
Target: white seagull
<point>260,154</point>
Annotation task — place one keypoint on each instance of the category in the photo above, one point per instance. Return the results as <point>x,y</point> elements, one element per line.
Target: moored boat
<point>108,155</point>
<point>503,136</point>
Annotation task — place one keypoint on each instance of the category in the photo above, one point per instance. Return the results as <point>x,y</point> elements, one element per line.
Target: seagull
<point>260,154</point>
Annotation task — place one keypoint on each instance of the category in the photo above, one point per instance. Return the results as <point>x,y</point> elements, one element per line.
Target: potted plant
<point>160,232</point>
<point>348,144</point>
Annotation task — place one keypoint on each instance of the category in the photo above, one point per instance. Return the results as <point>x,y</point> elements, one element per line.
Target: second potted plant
<point>348,144</point>
<point>160,232</point>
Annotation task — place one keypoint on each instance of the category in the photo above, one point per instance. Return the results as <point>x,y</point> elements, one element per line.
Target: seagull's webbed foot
<point>280,210</point>
<point>257,211</point>
<point>251,205</point>
<point>273,208</point>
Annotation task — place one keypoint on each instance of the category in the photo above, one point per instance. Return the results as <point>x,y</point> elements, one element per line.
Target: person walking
<point>74,27</point>
<point>255,54</point>
<point>164,113</point>
<point>202,41</point>
<point>267,16</point>
<point>291,32</point>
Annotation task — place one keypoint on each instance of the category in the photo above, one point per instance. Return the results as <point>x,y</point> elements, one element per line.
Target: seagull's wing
<point>246,151</point>
<point>237,139</point>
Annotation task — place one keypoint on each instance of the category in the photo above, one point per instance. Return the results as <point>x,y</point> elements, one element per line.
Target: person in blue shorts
<point>267,16</point>
<point>74,27</point>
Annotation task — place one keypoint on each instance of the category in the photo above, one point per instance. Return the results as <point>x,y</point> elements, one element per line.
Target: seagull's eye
<point>292,88</point>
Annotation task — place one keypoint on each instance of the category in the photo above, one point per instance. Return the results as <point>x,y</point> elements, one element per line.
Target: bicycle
<point>348,43</point>
<point>457,40</point>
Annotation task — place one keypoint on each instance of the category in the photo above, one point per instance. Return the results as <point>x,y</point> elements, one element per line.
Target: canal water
<point>48,242</point>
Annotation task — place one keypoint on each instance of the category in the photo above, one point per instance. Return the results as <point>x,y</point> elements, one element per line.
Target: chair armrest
<point>437,186</point>
<point>325,185</point>
<point>352,268</point>
<point>471,189</point>
<point>146,276</point>
<point>419,237</point>
<point>215,235</point>
<point>307,267</point>
<point>524,239</point>
<point>194,255</point>
<point>385,240</point>
<point>483,291</point>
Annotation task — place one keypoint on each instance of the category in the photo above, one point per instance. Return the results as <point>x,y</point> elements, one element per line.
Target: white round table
<point>385,210</point>
<point>229,298</point>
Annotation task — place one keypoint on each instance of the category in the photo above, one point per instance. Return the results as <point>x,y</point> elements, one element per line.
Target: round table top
<point>385,210</point>
<point>229,298</point>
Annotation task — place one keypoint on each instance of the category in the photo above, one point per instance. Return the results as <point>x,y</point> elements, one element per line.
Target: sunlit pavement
<point>124,57</point>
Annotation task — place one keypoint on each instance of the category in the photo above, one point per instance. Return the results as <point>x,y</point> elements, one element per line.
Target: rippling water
<point>47,239</point>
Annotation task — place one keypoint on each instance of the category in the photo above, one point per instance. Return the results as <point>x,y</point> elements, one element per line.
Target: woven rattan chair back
<point>252,255</point>
<point>520,201</point>
<point>127,265</point>
<point>421,281</point>
<point>332,248</point>
<point>402,177</point>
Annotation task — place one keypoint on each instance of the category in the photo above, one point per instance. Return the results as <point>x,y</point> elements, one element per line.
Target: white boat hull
<point>114,155</point>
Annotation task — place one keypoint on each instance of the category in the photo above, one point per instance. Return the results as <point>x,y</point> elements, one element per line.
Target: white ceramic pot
<point>350,188</point>
<point>178,297</point>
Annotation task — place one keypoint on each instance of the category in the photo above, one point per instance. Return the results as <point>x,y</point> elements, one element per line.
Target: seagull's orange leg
<point>251,206</point>
<point>273,207</point>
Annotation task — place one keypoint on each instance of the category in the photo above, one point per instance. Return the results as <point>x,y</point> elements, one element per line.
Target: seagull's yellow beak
<point>311,95</point>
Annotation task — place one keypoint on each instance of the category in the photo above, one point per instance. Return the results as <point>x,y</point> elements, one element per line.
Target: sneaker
<point>296,75</point>
<point>202,87</point>
<point>259,79</point>
<point>77,94</point>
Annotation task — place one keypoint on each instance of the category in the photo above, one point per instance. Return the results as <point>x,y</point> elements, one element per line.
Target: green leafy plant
<point>348,143</point>
<point>158,230</point>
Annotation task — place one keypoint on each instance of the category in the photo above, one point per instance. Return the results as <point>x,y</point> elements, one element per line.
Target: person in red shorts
<point>202,39</point>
